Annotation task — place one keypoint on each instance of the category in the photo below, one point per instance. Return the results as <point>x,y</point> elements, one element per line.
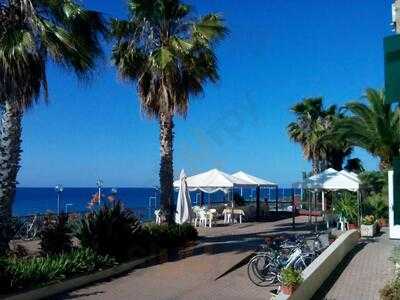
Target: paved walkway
<point>194,275</point>
<point>366,271</point>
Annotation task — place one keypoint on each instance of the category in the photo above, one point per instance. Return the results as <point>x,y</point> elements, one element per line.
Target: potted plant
<point>377,205</point>
<point>347,207</point>
<point>291,279</point>
<point>368,226</point>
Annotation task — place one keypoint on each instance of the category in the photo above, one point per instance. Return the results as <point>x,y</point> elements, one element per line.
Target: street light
<point>59,189</point>
<point>99,184</point>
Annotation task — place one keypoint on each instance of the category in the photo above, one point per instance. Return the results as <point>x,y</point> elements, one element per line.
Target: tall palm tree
<point>169,54</point>
<point>354,165</point>
<point>304,130</point>
<point>31,33</point>
<point>313,131</point>
<point>374,126</point>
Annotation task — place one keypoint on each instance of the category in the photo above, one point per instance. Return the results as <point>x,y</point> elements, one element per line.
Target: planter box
<point>368,230</point>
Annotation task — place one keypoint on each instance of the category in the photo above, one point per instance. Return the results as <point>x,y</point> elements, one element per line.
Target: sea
<point>142,200</point>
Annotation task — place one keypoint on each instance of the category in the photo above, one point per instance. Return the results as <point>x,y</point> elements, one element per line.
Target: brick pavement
<point>194,277</point>
<point>367,271</point>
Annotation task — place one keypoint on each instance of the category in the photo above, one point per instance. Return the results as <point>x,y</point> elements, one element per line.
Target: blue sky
<point>277,53</point>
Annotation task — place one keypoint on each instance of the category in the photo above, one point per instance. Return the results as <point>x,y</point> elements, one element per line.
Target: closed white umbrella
<point>183,204</point>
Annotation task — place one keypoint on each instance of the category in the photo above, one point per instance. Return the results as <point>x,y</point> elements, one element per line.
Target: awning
<point>333,180</point>
<point>212,181</point>
<point>253,180</point>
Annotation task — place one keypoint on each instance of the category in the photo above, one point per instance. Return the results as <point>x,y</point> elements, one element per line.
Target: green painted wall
<point>396,189</point>
<point>392,67</point>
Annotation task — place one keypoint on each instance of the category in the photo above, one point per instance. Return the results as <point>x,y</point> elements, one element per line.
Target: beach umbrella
<point>184,204</point>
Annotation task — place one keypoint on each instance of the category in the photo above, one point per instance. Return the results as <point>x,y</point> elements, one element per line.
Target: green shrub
<point>391,291</point>
<point>377,205</point>
<point>5,278</point>
<point>291,277</point>
<point>346,206</point>
<point>8,228</point>
<point>166,236</point>
<point>111,230</point>
<point>373,182</point>
<point>38,271</point>
<point>55,235</point>
<point>368,220</point>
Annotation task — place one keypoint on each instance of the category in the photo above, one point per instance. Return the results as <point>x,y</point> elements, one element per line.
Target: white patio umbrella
<point>184,204</point>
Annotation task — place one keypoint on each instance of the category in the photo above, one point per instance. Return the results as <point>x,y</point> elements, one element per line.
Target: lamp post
<point>99,184</point>
<point>59,189</point>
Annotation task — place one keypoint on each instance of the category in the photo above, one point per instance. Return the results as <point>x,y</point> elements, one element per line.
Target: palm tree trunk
<point>10,154</point>
<point>315,166</point>
<point>166,165</point>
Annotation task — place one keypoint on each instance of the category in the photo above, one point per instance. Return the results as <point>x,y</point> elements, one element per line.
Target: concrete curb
<point>322,267</point>
<point>78,282</point>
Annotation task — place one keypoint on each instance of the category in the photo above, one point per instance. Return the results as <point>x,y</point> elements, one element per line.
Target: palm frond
<point>167,52</point>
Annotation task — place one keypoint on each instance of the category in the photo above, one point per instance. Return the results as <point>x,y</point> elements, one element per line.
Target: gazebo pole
<point>276,199</point>
<point>233,207</point>
<point>293,211</point>
<point>201,198</point>
<point>359,208</point>
<point>309,205</point>
<point>315,212</point>
<point>258,203</point>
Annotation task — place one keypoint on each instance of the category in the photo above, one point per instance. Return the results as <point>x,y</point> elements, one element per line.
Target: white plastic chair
<point>342,223</point>
<point>241,214</point>
<point>202,217</point>
<point>227,216</point>
<point>196,218</point>
<point>159,216</point>
<point>211,213</point>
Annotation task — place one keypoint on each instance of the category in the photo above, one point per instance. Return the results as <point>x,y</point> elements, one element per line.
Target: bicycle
<point>265,267</point>
<point>29,230</point>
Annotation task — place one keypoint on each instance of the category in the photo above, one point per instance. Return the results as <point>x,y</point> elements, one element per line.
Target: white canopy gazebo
<point>253,180</point>
<point>332,180</point>
<point>213,181</point>
<point>258,183</point>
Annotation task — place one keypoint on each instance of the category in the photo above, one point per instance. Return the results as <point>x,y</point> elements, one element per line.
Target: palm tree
<point>31,33</point>
<point>374,126</point>
<point>169,54</point>
<point>305,130</point>
<point>354,165</point>
<point>313,129</point>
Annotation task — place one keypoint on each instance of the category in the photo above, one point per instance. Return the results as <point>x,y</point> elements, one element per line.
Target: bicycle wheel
<point>299,265</point>
<point>261,270</point>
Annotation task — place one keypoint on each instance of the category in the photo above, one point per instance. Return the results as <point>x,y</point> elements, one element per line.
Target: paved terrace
<point>363,272</point>
<point>218,271</point>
